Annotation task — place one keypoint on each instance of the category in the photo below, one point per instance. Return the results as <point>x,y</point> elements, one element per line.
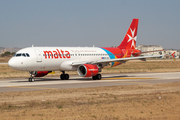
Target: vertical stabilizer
<point>173,54</point>
<point>129,41</point>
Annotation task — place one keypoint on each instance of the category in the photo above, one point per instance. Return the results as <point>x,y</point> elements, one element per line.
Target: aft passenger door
<point>38,55</point>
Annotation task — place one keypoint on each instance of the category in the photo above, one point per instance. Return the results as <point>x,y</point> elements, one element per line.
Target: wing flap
<point>124,59</point>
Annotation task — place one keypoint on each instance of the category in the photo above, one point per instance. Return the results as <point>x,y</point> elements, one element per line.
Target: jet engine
<point>38,73</point>
<point>88,70</point>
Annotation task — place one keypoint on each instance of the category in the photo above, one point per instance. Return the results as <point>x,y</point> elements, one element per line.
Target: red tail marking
<point>129,41</point>
<point>173,54</point>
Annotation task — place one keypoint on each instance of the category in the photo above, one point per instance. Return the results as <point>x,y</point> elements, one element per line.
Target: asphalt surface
<point>22,84</point>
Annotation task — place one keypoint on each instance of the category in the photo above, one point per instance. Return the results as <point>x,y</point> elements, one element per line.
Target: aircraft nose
<point>12,63</point>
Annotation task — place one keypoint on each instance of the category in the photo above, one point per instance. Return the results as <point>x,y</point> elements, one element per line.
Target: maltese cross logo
<point>132,38</point>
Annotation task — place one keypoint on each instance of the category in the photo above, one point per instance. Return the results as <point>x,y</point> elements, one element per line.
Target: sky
<point>102,23</point>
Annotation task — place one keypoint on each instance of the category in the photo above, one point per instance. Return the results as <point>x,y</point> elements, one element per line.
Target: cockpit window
<point>27,55</point>
<point>22,54</point>
<point>18,55</point>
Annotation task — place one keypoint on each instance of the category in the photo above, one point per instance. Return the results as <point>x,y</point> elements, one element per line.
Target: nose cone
<point>12,63</point>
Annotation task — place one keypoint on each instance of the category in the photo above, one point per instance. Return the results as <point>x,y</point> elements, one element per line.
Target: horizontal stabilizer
<point>137,53</point>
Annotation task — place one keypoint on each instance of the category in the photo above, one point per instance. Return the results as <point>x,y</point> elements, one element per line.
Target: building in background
<point>167,52</point>
<point>151,48</point>
<point>2,50</point>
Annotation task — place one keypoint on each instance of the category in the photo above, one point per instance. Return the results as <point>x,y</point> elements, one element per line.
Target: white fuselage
<point>55,58</point>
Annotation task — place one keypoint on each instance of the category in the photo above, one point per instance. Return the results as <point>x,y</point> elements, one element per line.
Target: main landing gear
<point>97,77</point>
<point>64,76</point>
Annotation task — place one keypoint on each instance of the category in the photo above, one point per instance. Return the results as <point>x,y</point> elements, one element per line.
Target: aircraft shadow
<point>78,79</point>
<point>118,76</point>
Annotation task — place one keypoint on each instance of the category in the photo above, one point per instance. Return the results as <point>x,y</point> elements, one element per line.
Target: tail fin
<point>129,41</point>
<point>173,54</point>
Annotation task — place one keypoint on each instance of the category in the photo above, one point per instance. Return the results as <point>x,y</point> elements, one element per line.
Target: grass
<point>104,103</point>
<point>4,59</point>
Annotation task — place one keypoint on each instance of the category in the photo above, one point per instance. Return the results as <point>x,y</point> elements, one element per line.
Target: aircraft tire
<point>94,77</point>
<point>66,76</point>
<point>62,76</point>
<point>30,79</point>
<point>98,76</point>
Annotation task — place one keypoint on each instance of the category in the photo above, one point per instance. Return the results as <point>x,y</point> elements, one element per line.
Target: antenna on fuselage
<point>32,45</point>
<point>93,45</point>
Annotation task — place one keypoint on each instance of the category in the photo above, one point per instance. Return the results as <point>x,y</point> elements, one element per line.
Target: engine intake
<point>88,70</point>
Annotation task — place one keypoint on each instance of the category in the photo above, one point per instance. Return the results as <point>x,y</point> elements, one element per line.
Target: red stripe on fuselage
<point>120,53</point>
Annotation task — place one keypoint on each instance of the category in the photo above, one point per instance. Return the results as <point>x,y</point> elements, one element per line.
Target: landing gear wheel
<point>31,79</point>
<point>97,77</point>
<point>64,77</point>
<point>94,77</point>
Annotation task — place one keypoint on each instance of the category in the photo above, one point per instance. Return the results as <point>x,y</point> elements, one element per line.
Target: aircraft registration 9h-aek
<point>87,61</point>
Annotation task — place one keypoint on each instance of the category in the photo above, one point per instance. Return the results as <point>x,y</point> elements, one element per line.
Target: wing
<point>121,60</point>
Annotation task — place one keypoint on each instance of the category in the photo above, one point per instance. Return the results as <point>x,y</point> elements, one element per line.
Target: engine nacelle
<point>38,73</point>
<point>88,70</point>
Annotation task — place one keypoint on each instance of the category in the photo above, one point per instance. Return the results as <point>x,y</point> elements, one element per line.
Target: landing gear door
<point>38,55</point>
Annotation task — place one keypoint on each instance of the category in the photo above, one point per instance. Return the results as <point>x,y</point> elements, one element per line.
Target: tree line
<point>7,54</point>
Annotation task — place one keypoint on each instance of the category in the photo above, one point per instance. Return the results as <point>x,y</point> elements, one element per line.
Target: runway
<point>22,84</point>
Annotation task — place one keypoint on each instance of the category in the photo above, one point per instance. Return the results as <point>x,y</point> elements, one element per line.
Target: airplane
<point>87,61</point>
<point>173,54</point>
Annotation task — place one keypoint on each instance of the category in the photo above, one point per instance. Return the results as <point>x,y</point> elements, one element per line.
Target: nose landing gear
<point>32,74</point>
<point>31,79</point>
